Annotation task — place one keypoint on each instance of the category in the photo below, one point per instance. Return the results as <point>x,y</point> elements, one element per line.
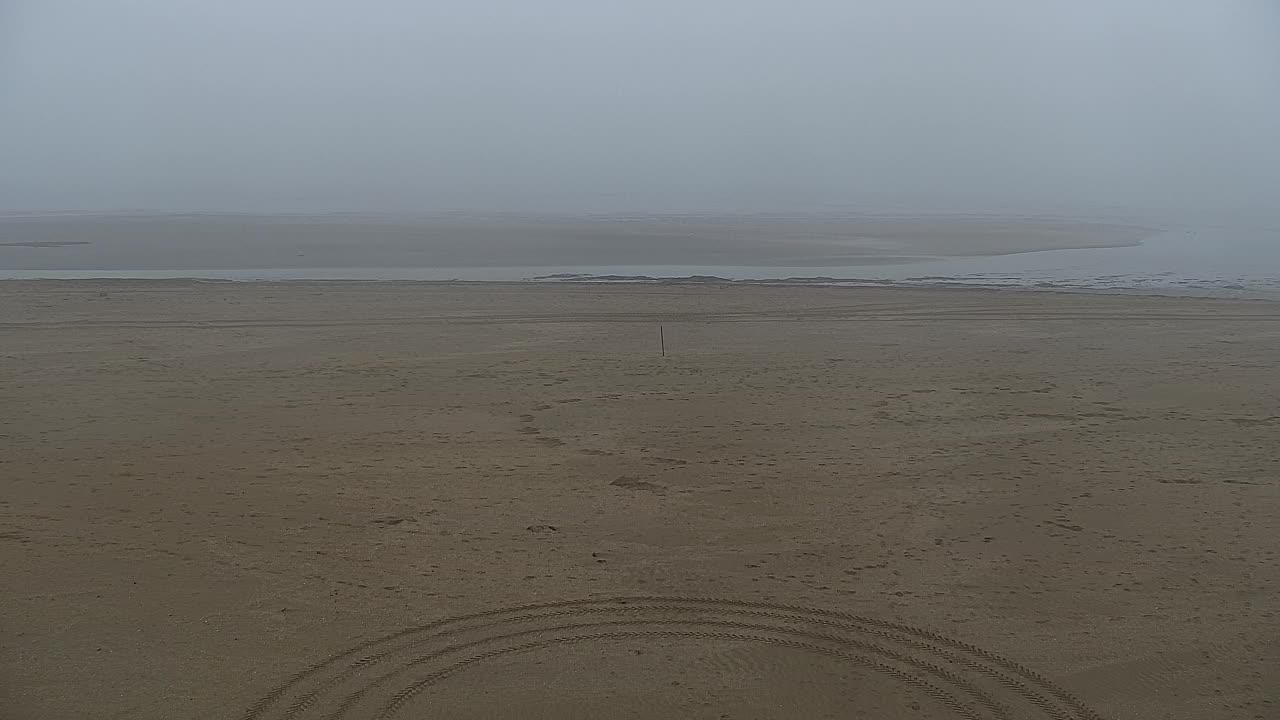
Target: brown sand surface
<point>250,501</point>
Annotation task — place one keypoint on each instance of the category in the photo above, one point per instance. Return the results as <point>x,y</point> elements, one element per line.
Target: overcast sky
<point>638,104</point>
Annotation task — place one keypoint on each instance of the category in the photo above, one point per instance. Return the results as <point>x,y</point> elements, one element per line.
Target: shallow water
<point>1209,261</point>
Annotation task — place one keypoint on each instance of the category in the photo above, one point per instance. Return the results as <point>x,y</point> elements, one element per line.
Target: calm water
<point>1228,262</point>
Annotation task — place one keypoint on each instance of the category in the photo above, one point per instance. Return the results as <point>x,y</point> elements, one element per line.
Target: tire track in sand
<point>380,677</point>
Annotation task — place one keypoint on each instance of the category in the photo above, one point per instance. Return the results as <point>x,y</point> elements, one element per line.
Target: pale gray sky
<point>647,105</point>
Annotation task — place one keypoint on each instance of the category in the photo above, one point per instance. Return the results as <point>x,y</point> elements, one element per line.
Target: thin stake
<point>662,341</point>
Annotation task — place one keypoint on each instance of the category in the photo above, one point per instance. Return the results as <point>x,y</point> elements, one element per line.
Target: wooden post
<point>662,341</point>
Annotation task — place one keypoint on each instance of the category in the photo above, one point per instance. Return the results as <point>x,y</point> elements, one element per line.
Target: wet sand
<point>248,501</point>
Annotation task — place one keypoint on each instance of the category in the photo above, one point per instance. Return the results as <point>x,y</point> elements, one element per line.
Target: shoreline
<point>1190,262</point>
<point>315,243</point>
<point>852,284</point>
<point>1007,253</point>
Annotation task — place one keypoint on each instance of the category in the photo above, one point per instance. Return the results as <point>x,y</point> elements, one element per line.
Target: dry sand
<point>997,505</point>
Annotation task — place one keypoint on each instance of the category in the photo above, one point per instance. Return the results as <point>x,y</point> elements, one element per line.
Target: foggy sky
<point>569,105</point>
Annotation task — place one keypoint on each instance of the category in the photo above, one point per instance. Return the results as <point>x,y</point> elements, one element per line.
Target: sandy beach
<point>243,501</point>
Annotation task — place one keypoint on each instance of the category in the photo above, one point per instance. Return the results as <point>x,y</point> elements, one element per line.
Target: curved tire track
<point>386,673</point>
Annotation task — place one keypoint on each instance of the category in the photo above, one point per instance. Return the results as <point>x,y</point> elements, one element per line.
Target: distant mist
<point>663,105</point>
